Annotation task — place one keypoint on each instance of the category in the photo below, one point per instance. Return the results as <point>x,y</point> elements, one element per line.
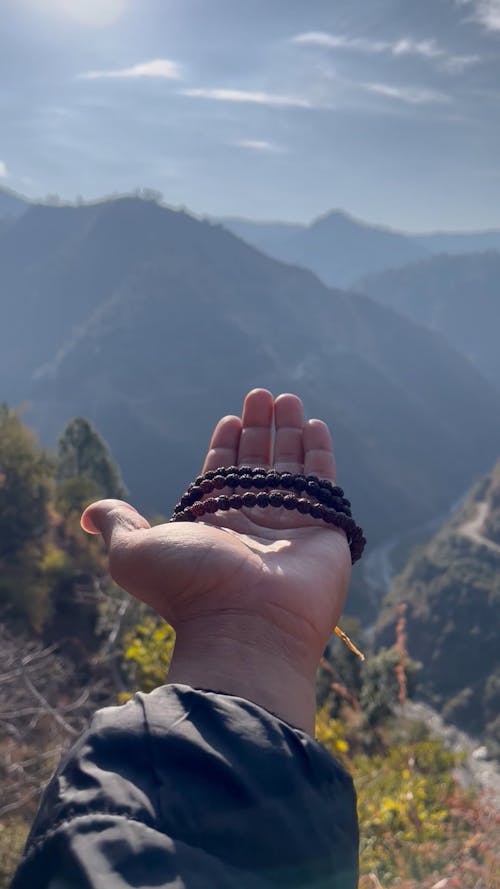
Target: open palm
<point>289,569</point>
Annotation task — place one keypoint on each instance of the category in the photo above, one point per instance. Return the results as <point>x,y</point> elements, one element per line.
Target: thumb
<point>112,519</point>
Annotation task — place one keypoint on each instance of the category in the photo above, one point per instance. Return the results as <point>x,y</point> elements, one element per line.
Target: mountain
<point>11,203</point>
<point>452,590</point>
<point>152,324</point>
<point>337,247</point>
<point>268,237</point>
<point>458,296</point>
<point>460,242</point>
<point>341,250</point>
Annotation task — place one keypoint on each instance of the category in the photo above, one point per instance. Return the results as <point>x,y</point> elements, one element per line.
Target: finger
<point>223,449</point>
<point>288,444</point>
<point>114,519</point>
<point>256,433</point>
<point>318,450</point>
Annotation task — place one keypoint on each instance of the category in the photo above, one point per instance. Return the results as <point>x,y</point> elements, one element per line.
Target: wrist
<point>243,655</point>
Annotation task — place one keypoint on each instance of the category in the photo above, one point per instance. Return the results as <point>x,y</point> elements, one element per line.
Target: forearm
<point>243,656</point>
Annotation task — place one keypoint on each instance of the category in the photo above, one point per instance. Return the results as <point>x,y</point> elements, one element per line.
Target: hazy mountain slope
<point>459,296</point>
<point>58,264</point>
<point>152,324</point>
<point>336,246</point>
<point>452,589</point>
<point>266,236</point>
<point>460,242</point>
<point>11,203</point>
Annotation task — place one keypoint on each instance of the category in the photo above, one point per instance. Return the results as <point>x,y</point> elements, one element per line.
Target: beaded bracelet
<point>257,477</point>
<point>192,504</point>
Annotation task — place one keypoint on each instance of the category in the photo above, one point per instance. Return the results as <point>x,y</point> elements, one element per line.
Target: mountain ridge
<point>343,249</point>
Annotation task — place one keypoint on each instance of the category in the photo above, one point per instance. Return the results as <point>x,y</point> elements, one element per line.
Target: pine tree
<point>25,486</point>
<point>85,468</point>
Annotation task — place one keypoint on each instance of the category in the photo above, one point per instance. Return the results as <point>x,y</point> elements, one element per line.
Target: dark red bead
<point>276,498</point>
<point>211,505</point>
<point>210,473</point>
<point>230,469</point>
<point>312,488</point>
<point>304,505</point>
<point>259,481</point>
<point>196,492</point>
<point>223,502</point>
<point>299,483</point>
<point>317,510</point>
<point>262,499</point>
<point>249,498</point>
<point>290,501</point>
<point>235,501</point>
<point>198,480</point>
<point>188,516</point>
<point>207,486</point>
<point>198,509</point>
<point>219,482</point>
<point>232,480</point>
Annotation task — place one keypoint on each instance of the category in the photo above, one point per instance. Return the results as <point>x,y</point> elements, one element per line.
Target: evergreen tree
<point>25,486</point>
<point>85,468</point>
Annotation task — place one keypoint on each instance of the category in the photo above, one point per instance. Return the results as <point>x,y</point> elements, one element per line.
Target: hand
<point>263,587</point>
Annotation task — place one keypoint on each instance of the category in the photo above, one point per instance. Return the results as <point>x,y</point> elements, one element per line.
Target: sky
<point>265,109</point>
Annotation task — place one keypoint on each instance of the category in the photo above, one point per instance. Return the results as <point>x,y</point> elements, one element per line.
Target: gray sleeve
<point>192,789</point>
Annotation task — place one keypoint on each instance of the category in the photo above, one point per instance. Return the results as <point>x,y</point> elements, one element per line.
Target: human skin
<point>252,594</point>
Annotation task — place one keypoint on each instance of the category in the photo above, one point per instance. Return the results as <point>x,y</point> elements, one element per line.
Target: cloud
<point>274,100</point>
<point>405,46</point>
<point>156,68</point>
<point>258,145</point>
<point>486,12</point>
<point>408,94</point>
<point>3,170</point>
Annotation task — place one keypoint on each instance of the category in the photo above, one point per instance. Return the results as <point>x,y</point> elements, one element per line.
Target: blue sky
<point>280,109</point>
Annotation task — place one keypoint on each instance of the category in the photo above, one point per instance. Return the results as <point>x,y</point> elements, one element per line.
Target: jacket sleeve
<point>193,789</point>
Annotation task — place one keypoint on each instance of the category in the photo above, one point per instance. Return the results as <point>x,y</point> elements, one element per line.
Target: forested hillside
<point>457,296</point>
<point>452,591</point>
<point>152,324</point>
